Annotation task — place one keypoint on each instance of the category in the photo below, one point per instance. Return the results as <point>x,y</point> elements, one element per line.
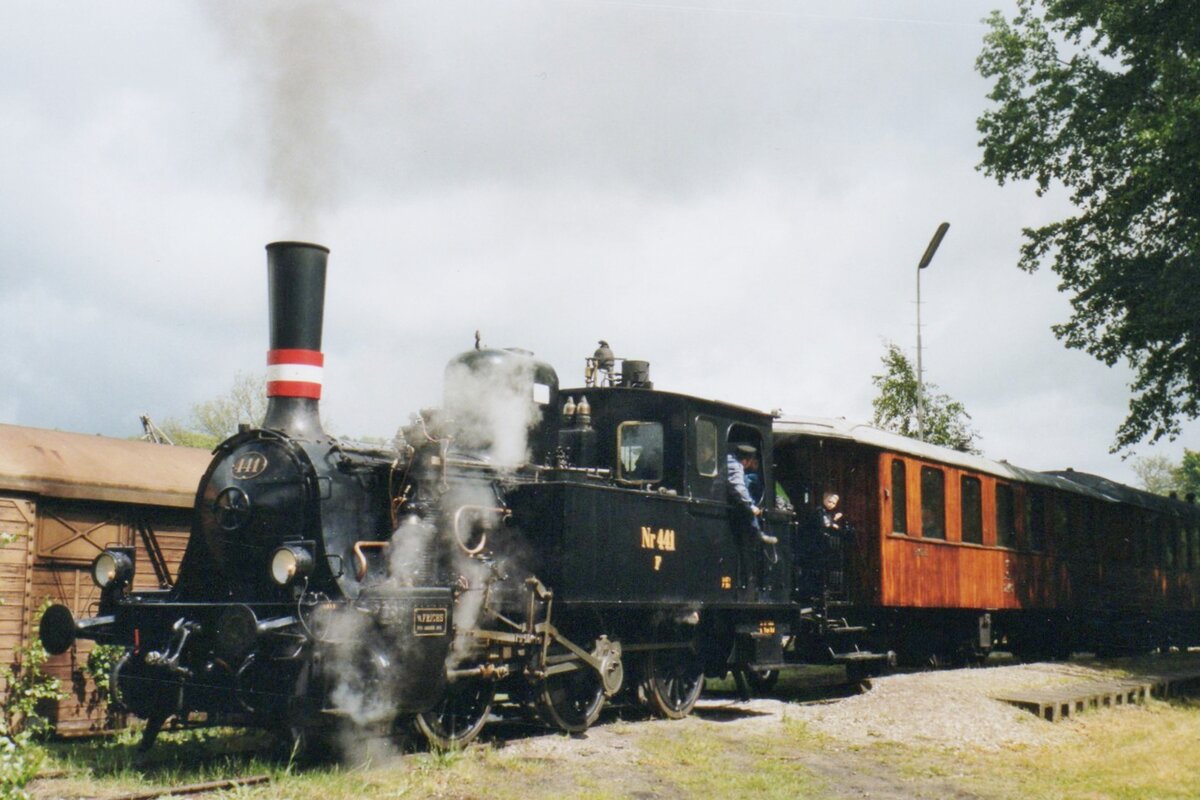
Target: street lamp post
<point>925,259</point>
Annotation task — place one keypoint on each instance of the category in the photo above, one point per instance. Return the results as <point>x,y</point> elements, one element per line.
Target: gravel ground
<point>951,709</point>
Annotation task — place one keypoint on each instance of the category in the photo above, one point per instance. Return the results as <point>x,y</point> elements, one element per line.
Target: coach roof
<point>823,428</point>
<point>78,466</point>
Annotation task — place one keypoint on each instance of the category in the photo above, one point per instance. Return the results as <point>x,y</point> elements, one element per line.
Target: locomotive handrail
<point>360,557</point>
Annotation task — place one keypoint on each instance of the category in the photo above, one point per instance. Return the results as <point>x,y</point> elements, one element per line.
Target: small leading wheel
<point>459,717</point>
<point>302,744</point>
<point>570,701</point>
<point>762,681</point>
<point>671,682</point>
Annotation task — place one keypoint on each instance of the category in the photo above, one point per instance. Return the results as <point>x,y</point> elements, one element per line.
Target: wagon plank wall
<point>69,536</point>
<point>65,497</point>
<point>16,520</point>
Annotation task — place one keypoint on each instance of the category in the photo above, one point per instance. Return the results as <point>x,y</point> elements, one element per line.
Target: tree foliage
<point>1160,475</point>
<point>1187,474</point>
<point>1155,473</point>
<point>947,422</point>
<point>1102,97</point>
<point>213,421</point>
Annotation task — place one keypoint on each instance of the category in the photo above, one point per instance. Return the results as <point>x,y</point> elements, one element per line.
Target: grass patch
<point>1131,753</point>
<point>1117,754</point>
<point>706,763</point>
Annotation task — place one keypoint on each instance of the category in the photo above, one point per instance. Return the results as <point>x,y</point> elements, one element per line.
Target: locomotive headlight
<point>112,568</point>
<point>289,563</point>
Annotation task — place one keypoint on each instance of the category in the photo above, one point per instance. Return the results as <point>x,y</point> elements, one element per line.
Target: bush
<point>99,667</point>
<point>27,685</point>
<point>19,764</point>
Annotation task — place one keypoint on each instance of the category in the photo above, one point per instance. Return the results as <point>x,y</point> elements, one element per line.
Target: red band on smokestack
<point>311,358</point>
<point>295,373</point>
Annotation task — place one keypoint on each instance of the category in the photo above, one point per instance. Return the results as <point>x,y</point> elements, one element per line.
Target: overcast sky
<point>737,192</point>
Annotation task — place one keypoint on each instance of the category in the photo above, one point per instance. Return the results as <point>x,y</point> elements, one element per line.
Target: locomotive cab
<point>638,509</point>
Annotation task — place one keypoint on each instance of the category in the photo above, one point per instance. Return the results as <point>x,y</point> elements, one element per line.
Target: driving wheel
<point>570,701</point>
<point>672,681</point>
<point>459,717</point>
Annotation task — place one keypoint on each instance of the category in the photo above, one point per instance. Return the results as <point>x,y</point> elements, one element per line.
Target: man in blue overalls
<point>742,475</point>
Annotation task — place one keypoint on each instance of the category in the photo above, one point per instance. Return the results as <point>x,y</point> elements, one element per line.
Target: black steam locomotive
<point>558,546</point>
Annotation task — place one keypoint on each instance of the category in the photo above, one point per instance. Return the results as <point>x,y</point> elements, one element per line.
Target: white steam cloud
<point>489,411</point>
<point>491,408</point>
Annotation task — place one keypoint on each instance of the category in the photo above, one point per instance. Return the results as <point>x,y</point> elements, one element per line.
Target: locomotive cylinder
<point>296,292</point>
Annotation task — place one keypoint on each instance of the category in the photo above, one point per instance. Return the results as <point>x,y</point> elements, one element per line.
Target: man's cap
<point>746,450</point>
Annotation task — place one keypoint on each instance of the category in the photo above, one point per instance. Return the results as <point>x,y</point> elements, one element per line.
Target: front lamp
<point>112,568</point>
<point>290,562</point>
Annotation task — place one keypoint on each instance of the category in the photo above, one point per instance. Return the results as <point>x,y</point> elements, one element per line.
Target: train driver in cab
<point>743,476</point>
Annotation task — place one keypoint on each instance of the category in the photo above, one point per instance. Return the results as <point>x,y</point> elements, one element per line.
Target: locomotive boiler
<point>554,547</point>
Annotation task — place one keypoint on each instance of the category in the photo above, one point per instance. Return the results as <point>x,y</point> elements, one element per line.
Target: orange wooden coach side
<point>1009,539</point>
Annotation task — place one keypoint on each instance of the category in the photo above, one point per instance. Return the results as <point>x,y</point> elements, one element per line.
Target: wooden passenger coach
<point>64,497</point>
<point>953,552</point>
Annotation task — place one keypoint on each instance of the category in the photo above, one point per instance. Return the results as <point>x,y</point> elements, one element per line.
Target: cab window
<point>640,452</point>
<point>706,447</point>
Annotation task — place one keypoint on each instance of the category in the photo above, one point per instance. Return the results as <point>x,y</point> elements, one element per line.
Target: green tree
<point>1187,474</point>
<point>214,420</point>
<point>947,422</point>
<point>1155,473</point>
<point>1102,97</point>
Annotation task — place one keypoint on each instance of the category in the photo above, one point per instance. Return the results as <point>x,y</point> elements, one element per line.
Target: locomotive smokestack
<point>296,292</point>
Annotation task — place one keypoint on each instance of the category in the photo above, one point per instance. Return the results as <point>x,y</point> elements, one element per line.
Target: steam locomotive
<point>556,547</point>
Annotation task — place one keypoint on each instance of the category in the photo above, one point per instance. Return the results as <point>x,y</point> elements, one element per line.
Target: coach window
<point>1140,528</point>
<point>933,503</point>
<point>706,447</point>
<point>1164,546</point>
<point>972,510</point>
<point>640,451</point>
<point>1093,537</point>
<point>1194,546</point>
<point>1006,519</point>
<point>1061,532</point>
<point>1035,520</point>
<point>899,497</point>
<point>1181,546</point>
<point>1081,525</point>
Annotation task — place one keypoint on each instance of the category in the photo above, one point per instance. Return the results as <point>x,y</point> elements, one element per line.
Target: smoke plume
<point>308,62</point>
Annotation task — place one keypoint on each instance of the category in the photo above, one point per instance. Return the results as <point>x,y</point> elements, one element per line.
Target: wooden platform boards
<point>1060,702</point>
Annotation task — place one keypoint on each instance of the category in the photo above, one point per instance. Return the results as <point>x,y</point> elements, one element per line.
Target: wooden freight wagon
<point>64,497</point>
